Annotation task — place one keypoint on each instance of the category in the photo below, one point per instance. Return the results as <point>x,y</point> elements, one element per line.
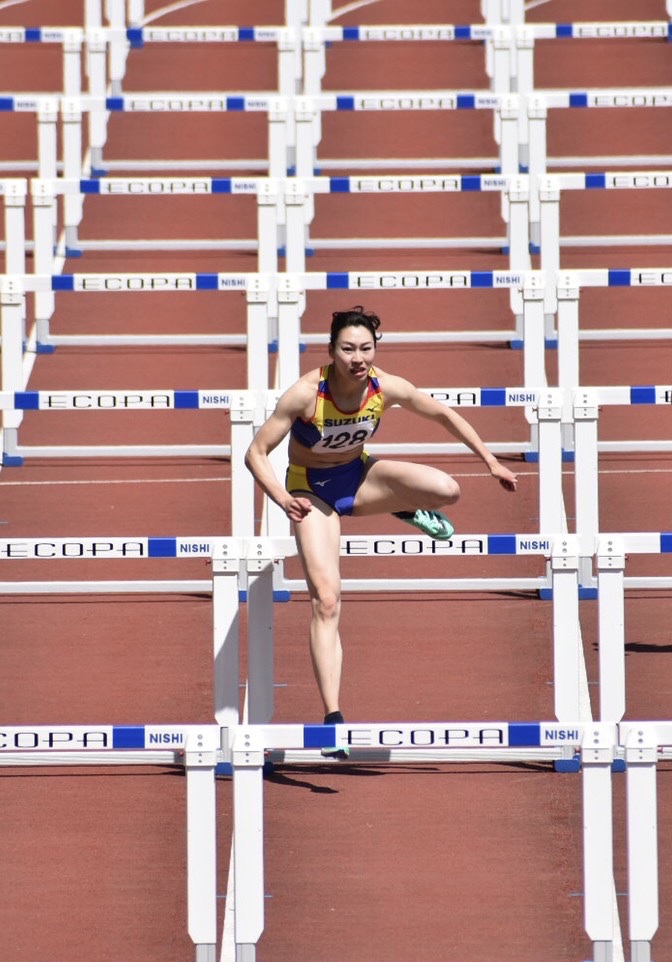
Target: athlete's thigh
<point>318,539</point>
<point>388,486</point>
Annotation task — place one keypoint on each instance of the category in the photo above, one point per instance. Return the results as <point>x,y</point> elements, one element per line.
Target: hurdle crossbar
<point>598,743</point>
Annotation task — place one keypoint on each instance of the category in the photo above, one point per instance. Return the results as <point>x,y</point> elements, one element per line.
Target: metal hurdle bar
<point>46,108</point>
<point>548,234</point>
<point>288,202</point>
<point>45,193</point>
<point>244,568</point>
<point>135,37</point>
<point>194,748</point>
<point>291,290</point>
<point>596,742</point>
<point>509,47</point>
<point>13,288</point>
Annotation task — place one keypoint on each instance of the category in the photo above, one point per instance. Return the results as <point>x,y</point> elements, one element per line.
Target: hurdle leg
<point>534,374</point>
<point>116,15</point>
<point>47,150</point>
<point>549,413</point>
<point>268,229</point>
<point>15,225</point>
<point>597,755</point>
<point>297,221</point>
<point>12,312</point>
<point>518,227</point>
<point>549,244</point>
<point>260,632</point>
<point>248,842</point>
<point>567,650</point>
<point>73,203</point>
<point>643,900</point>
<point>585,413</point>
<point>242,413</point>
<point>200,761</point>
<point>308,134</point>
<point>44,233</point>
<point>97,86</point>
<point>72,68</point>
<point>290,297</point>
<point>279,138</point>
<point>567,291</point>
<point>226,634</point>
<point>611,620</point>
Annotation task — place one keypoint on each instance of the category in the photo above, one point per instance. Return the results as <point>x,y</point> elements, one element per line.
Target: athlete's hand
<point>297,508</point>
<point>506,478</point>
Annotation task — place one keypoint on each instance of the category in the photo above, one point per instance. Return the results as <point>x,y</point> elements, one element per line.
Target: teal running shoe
<point>432,523</point>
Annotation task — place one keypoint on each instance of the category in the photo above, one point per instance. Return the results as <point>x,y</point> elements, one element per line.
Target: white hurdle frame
<point>197,748</point>
<point>597,743</point>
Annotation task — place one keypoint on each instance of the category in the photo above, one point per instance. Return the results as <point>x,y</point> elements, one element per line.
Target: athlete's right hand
<point>297,509</point>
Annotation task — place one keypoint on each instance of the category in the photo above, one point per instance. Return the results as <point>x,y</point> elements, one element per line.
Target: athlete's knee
<point>447,491</point>
<point>326,604</point>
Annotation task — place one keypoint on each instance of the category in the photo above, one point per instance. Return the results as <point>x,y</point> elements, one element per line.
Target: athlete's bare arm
<point>398,390</point>
<point>297,401</point>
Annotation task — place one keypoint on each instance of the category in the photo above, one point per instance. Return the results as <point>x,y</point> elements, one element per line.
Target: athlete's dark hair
<point>355,317</point>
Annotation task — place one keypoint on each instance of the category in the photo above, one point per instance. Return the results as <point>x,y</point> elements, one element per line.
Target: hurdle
<point>45,107</point>
<point>196,749</point>
<point>13,288</point>
<point>569,285</point>
<point>509,47</point>
<point>192,748</point>
<point>134,38</point>
<point>13,192</point>
<point>596,743</point>
<point>244,569</point>
<point>45,194</point>
<point>291,290</point>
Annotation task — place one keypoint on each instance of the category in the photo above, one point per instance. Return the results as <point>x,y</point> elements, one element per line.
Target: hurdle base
<point>273,347</point>
<point>534,248</point>
<point>226,768</point>
<point>585,594</point>
<point>12,461</point>
<point>565,765</point>
<point>551,343</point>
<point>278,595</point>
<point>42,348</point>
<point>98,171</point>
<point>516,344</point>
<point>568,765</point>
<point>73,252</point>
<point>533,456</point>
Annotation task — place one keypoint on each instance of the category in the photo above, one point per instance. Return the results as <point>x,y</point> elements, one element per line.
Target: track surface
<point>462,863</point>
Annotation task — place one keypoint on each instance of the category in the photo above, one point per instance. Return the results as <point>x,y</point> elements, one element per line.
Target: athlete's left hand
<point>506,478</point>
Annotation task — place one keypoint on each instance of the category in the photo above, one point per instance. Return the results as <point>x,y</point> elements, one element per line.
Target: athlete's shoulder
<point>301,395</point>
<point>394,388</point>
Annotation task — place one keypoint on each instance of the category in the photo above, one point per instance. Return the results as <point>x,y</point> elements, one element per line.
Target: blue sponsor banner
<point>643,394</point>
<point>162,547</point>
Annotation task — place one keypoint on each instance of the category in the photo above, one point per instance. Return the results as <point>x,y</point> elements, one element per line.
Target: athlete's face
<point>353,352</point>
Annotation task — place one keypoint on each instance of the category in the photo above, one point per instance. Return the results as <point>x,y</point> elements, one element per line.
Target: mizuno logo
<point>321,484</point>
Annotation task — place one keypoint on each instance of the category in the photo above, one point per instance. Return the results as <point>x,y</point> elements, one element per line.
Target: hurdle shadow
<point>345,770</point>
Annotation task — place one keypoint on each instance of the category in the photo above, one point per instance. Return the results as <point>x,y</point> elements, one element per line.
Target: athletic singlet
<point>330,429</point>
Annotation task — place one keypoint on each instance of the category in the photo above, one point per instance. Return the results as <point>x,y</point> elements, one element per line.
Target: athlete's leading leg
<point>318,541</point>
<point>400,486</point>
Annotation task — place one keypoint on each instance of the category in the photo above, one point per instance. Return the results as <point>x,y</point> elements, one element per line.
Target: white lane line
<point>171,8</point>
<point>5,484</point>
<point>456,474</point>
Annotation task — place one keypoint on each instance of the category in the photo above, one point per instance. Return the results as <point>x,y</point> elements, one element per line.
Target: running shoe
<point>433,523</point>
<point>335,718</point>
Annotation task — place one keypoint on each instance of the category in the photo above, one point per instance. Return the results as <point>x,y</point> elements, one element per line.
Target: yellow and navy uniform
<point>330,429</point>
